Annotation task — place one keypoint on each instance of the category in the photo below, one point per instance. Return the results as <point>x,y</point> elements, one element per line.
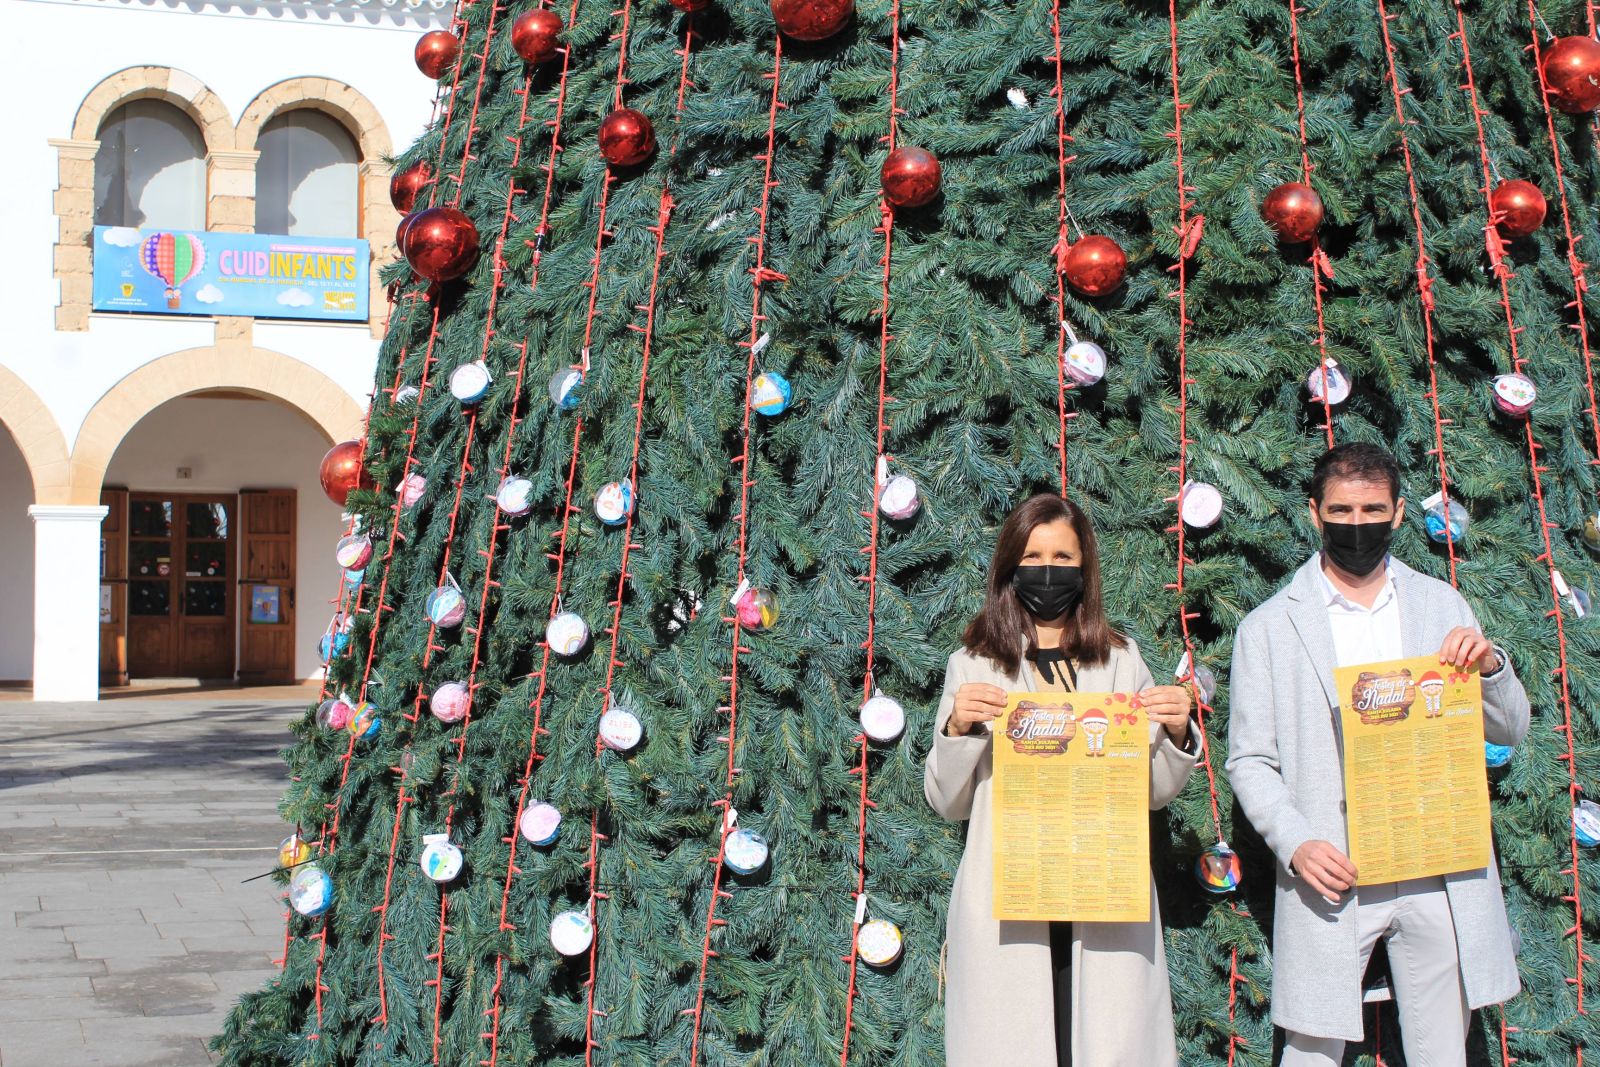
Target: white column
<point>66,601</point>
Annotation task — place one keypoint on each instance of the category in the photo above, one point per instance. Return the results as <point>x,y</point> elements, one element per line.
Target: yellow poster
<point>1072,808</point>
<point>1416,792</point>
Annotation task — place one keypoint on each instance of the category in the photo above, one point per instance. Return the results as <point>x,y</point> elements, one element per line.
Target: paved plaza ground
<point>126,829</point>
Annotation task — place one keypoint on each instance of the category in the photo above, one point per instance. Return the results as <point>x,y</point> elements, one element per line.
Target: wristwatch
<point>1500,663</point>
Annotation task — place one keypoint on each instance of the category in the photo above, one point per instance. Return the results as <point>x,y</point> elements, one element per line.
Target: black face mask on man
<point>1356,547</point>
<point>1048,591</point>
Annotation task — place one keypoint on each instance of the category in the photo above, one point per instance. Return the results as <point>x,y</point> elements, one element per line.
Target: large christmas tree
<point>671,503</point>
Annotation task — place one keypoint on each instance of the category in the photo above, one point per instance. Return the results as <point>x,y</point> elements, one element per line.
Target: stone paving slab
<point>127,829</point>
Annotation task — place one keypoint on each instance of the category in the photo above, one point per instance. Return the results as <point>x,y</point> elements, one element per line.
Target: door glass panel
<point>205,521</point>
<point>150,518</point>
<point>149,598</point>
<point>205,560</point>
<point>151,559</point>
<point>205,599</point>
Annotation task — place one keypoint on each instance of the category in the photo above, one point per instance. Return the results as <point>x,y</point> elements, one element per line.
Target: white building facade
<point>190,184</point>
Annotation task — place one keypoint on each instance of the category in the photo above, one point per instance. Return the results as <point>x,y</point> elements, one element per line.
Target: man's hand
<point>1463,645</point>
<point>1324,868</point>
<point>975,702</point>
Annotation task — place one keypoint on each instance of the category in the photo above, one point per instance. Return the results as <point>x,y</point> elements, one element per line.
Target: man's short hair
<point>1358,461</point>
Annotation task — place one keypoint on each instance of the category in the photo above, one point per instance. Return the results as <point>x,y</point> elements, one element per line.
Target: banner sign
<point>183,272</point>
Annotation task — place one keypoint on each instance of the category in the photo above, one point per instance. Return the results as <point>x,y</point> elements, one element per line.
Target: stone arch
<point>260,372</point>
<point>179,88</point>
<point>343,103</point>
<point>38,438</point>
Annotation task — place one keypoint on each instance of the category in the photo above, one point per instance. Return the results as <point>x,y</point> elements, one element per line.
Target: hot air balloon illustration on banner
<point>174,258</point>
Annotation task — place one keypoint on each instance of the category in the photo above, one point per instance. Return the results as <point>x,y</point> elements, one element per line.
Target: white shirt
<point>1363,635</point>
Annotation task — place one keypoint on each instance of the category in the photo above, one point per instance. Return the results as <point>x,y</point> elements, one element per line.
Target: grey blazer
<point>1285,763</point>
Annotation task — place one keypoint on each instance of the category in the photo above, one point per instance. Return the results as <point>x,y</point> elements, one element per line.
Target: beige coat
<point>1000,1005</point>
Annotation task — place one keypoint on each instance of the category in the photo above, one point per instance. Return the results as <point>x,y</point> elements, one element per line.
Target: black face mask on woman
<point>1356,547</point>
<point>1048,592</point>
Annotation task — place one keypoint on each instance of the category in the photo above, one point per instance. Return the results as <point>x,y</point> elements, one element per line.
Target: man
<point>1448,940</point>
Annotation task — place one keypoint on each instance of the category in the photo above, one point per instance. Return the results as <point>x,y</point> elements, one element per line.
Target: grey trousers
<point>1414,917</point>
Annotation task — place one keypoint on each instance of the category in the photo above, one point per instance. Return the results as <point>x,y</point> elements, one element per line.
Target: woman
<point>1104,984</point>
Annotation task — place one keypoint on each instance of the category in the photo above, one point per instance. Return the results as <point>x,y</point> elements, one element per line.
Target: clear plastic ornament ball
<point>1084,362</point>
<point>566,388</point>
<point>514,496</point>
<point>758,609</point>
<point>566,633</point>
<point>745,851</point>
<point>470,382</point>
<point>770,394</point>
<point>446,607</point>
<point>310,891</point>
<point>1447,524</point>
<point>1331,377</point>
<point>898,498</point>
<point>614,502</point>
<point>450,702</point>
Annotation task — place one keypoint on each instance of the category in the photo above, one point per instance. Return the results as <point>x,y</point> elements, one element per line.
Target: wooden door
<point>266,584</point>
<point>114,588</point>
<point>180,585</point>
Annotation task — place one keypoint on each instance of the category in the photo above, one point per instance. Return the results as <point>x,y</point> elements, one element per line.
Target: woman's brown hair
<point>1002,630</point>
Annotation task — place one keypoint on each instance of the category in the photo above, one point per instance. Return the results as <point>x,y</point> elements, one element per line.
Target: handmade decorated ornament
<point>1446,523</point>
<point>1095,265</point>
<point>1496,755</point>
<point>898,498</point>
<point>407,185</point>
<point>470,382</point>
<point>340,471</point>
<point>441,860</point>
<point>1084,362</point>
<point>620,730</point>
<point>882,718</point>
<point>626,137</point>
<point>310,891</point>
<point>566,633</point>
<point>745,852</point>
<point>446,606</point>
<point>910,177</point>
<point>1518,207</point>
<point>331,645</point>
<point>436,53</point>
<point>333,714</point>
<point>770,394</point>
<point>450,702</point>
<point>1591,532</point>
<point>758,609</point>
<point>353,552</point>
<point>1515,394</point>
<point>614,502</point>
<point>1571,69</point>
<point>1294,211</point>
<point>879,942</point>
<point>1586,823</point>
<point>514,496</point>
<point>1218,869</point>
<point>811,20</point>
<point>354,578</point>
<point>1200,505</point>
<point>571,933</point>
<point>406,394</point>
<point>566,388</point>
<point>1330,377</point>
<point>411,489</point>
<point>364,722</point>
<point>292,851</point>
<point>441,243</point>
<point>540,824</point>
<point>536,35</point>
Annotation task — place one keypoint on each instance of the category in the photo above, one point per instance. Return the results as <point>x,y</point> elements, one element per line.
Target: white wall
<point>16,573</point>
<point>244,444</point>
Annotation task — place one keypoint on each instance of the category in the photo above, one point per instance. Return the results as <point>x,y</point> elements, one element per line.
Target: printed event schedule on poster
<point>1416,794</point>
<point>1071,804</point>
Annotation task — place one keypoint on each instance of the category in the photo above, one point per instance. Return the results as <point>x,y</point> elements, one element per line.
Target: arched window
<point>308,177</point>
<point>150,169</point>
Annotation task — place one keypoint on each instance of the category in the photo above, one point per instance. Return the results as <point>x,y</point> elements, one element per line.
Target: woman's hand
<point>1169,706</point>
<point>976,702</point>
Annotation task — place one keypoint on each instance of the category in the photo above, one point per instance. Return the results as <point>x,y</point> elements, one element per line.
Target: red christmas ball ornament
<point>1571,69</point>
<point>1095,265</point>
<point>437,52</point>
<point>400,233</point>
<point>341,471</point>
<point>1294,210</point>
<point>1518,207</point>
<point>691,6</point>
<point>405,187</point>
<point>536,35</point>
<point>441,243</point>
<point>910,177</point>
<point>626,137</point>
<point>812,20</point>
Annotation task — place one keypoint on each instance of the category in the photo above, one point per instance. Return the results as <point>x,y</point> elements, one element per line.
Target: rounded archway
<point>37,437</point>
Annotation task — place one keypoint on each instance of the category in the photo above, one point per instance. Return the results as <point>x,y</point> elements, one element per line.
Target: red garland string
<point>864,803</point>
<point>760,274</point>
<point>1318,258</point>
<point>659,230</point>
<point>492,1035</point>
<point>1063,384</point>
